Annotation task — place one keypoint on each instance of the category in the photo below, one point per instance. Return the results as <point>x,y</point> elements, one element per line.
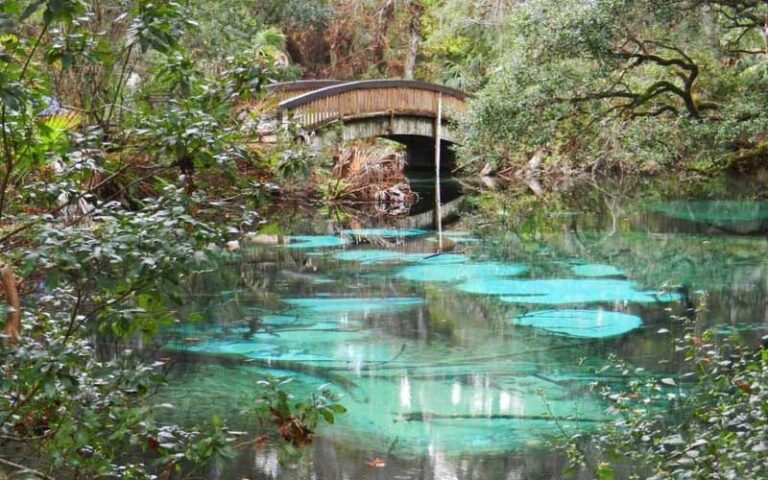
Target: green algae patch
<point>442,258</point>
<point>367,257</point>
<point>596,270</point>
<point>354,305</point>
<point>385,232</point>
<point>724,213</point>
<point>315,241</point>
<point>581,323</point>
<point>565,291</point>
<point>457,273</point>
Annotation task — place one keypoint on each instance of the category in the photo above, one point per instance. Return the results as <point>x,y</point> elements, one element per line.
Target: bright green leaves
<point>637,82</point>
<point>213,449</point>
<point>188,137</point>
<point>55,11</point>
<point>108,265</point>
<point>178,72</point>
<point>157,26</point>
<point>706,421</point>
<point>129,263</point>
<point>63,10</point>
<point>295,420</point>
<point>198,130</point>
<point>12,93</point>
<point>248,73</point>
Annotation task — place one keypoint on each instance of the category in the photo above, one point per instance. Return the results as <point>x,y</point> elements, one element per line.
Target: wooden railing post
<point>438,200</point>
<point>438,127</point>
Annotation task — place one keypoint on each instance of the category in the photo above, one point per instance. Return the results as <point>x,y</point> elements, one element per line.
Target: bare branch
<point>23,469</point>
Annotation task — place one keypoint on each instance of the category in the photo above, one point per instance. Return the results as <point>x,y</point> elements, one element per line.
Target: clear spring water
<point>455,364</point>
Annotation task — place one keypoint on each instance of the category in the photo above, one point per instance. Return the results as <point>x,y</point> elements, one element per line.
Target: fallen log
<point>427,416</point>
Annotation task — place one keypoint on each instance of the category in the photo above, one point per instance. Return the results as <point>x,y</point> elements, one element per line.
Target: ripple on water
<point>596,270</point>
<point>316,241</point>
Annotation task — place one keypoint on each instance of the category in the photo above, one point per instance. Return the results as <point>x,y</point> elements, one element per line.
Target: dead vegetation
<point>372,173</point>
<point>11,294</point>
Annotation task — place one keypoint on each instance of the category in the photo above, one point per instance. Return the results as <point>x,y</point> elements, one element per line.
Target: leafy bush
<point>708,421</point>
<point>628,83</point>
<point>98,235</point>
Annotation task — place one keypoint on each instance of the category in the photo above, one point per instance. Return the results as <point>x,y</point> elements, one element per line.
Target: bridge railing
<point>374,98</point>
<point>285,90</point>
<point>279,92</point>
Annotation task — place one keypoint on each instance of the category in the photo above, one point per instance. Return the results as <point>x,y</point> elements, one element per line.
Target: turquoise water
<point>581,323</point>
<point>462,362</point>
<point>721,213</point>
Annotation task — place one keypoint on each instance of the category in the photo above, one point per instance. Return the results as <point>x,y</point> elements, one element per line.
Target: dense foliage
<point>627,83</point>
<point>118,146</point>
<point>709,421</point>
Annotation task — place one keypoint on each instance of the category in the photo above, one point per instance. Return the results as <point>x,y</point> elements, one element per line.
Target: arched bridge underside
<point>401,110</point>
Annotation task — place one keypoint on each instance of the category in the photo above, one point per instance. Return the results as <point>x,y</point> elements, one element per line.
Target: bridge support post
<point>283,119</point>
<point>438,207</point>
<point>438,133</point>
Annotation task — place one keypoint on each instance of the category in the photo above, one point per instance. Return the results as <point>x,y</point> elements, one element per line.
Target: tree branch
<point>13,319</point>
<point>23,469</point>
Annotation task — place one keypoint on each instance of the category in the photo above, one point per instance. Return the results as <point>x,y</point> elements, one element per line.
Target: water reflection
<point>454,365</point>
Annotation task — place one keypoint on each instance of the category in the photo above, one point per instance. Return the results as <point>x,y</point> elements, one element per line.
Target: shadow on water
<point>454,365</point>
<point>424,184</point>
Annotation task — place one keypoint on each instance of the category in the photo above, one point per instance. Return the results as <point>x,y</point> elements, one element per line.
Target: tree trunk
<point>13,319</point>
<point>416,11</point>
<point>709,26</point>
<point>294,50</point>
<point>765,34</point>
<point>386,14</point>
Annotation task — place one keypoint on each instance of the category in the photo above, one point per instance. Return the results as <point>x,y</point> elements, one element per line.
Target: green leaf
<point>31,9</point>
<point>327,415</point>
<point>605,472</point>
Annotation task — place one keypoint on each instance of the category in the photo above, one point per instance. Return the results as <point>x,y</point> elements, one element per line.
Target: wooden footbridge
<point>410,112</point>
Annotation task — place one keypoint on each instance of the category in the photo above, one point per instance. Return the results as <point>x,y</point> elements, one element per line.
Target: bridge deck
<point>364,99</point>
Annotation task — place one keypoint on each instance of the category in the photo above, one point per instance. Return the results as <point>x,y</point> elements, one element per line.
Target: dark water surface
<point>460,362</point>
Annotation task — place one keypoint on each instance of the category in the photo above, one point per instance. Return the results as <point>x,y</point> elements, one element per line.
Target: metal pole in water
<point>438,207</point>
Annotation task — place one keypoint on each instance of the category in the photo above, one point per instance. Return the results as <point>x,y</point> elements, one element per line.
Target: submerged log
<point>239,360</point>
<point>427,416</point>
<point>262,239</point>
<point>747,159</point>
